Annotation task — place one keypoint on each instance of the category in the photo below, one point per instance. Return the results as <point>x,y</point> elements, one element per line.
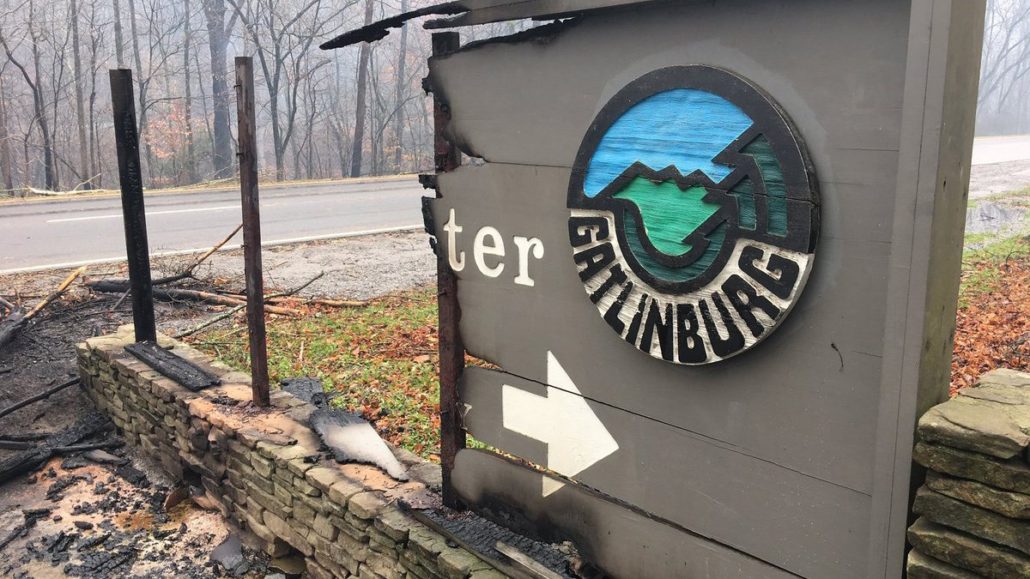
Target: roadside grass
<point>993,322</point>
<point>983,268</point>
<point>381,359</point>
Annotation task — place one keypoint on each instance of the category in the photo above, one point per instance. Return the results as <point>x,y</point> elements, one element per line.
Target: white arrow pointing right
<point>575,437</point>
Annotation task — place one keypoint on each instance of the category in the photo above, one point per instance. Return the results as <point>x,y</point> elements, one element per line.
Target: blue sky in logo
<point>681,127</point>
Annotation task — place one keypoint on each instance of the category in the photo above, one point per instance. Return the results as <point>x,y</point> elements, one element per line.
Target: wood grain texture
<point>623,542</point>
<point>875,89</point>
<point>762,404</point>
<point>803,524</point>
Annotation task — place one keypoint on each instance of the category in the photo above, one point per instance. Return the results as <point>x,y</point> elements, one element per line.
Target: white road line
<point>151,213</point>
<point>274,242</point>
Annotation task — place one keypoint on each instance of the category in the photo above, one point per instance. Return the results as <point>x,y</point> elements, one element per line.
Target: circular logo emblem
<point>694,214</point>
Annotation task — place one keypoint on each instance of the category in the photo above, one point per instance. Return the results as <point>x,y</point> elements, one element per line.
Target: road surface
<point>72,232</point>
<point>987,150</point>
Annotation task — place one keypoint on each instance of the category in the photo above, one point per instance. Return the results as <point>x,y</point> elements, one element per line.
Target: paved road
<point>42,235</point>
<point>57,233</point>
<point>988,150</point>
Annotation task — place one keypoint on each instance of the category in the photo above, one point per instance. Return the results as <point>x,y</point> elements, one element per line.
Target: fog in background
<point>1003,107</point>
<point>356,111</point>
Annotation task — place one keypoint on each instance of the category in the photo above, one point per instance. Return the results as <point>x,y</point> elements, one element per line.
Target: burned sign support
<point>714,273</point>
<point>137,248</point>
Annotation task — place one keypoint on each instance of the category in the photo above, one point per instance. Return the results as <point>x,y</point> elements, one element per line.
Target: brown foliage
<point>993,328</point>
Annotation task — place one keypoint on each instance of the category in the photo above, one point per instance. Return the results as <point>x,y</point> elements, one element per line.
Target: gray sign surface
<point>791,457</point>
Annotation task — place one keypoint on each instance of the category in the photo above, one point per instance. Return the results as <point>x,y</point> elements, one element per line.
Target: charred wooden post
<point>251,229</point>
<point>130,176</point>
<point>452,350</point>
<point>182,371</point>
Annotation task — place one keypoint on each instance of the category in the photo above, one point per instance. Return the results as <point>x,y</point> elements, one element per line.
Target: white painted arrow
<point>575,437</point>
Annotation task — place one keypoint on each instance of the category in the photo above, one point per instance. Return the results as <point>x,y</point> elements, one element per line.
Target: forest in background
<point>350,112</point>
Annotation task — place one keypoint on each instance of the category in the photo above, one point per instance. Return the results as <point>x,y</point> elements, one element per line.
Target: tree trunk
<point>362,89</point>
<point>50,178</point>
<point>5,151</point>
<point>80,107</point>
<point>119,39</point>
<point>214,12</point>
<point>399,121</point>
<point>141,89</point>
<point>94,141</point>
<point>191,154</point>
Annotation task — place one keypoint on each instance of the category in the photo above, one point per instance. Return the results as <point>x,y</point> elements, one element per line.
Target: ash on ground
<point>77,517</point>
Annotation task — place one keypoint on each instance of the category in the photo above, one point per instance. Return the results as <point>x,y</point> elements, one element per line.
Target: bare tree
<point>39,105</point>
<point>119,39</point>
<point>1005,67</point>
<point>218,39</point>
<point>282,39</point>
<point>5,152</point>
<point>400,85</point>
<point>191,152</point>
<point>325,114</point>
<point>362,94</point>
<point>80,106</point>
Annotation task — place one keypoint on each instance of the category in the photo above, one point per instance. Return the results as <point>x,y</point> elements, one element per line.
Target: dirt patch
<point>355,267</point>
<point>995,178</point>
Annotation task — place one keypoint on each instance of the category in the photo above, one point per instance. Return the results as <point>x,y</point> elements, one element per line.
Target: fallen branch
<point>229,313</point>
<point>122,285</point>
<point>26,437</point>
<point>46,394</point>
<point>313,301</point>
<point>56,293</point>
<point>210,322</point>
<point>31,459</point>
<point>175,294</point>
<point>84,447</point>
<point>17,320</point>
<point>14,445</point>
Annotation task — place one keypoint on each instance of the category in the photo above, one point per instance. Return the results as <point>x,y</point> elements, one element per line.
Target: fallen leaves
<point>993,325</point>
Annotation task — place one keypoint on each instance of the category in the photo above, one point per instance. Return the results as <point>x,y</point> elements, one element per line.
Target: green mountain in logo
<point>669,214</point>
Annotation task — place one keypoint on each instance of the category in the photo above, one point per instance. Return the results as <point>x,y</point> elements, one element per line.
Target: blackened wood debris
<point>184,372</point>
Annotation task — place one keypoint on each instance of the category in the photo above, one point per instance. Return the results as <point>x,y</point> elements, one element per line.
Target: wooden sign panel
<point>714,271</point>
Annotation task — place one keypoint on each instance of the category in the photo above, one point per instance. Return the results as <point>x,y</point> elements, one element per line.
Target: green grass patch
<point>380,358</point>
<point>981,268</point>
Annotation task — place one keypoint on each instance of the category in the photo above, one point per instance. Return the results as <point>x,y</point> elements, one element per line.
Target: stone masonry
<point>263,470</point>
<point>974,508</point>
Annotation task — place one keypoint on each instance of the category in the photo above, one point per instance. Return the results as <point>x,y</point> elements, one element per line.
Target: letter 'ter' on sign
<point>576,439</point>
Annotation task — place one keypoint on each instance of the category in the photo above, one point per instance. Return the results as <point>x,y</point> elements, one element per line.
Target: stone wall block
<point>266,475</point>
<point>366,505</point>
<point>286,532</point>
<point>1012,474</point>
<point>969,422</point>
<point>1010,504</point>
<point>973,520</point>
<point>966,551</point>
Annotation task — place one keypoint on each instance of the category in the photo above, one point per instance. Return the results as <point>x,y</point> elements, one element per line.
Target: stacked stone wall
<point>263,469</point>
<point>974,508</point>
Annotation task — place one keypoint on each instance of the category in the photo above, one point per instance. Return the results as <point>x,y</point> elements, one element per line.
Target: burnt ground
<point>123,527</point>
<point>75,517</point>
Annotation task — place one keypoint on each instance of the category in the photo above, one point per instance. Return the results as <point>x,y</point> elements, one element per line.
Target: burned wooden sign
<point>710,251</point>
